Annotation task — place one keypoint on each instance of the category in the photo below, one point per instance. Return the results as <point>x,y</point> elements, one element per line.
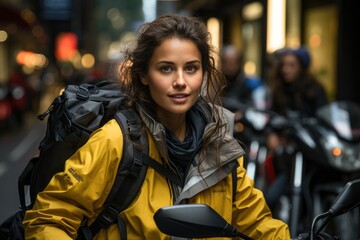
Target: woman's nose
<point>179,81</point>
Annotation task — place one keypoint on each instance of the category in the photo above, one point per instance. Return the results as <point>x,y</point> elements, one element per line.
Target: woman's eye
<point>165,69</point>
<point>191,69</point>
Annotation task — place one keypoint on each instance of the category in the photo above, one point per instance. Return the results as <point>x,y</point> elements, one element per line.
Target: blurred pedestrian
<point>239,87</point>
<point>296,93</point>
<point>294,87</point>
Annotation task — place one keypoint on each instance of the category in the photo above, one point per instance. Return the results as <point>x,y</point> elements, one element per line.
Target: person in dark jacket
<point>293,86</point>
<point>296,93</point>
<point>170,78</point>
<point>239,87</point>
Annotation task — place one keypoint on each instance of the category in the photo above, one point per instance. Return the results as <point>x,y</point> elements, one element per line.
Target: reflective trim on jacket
<point>88,177</point>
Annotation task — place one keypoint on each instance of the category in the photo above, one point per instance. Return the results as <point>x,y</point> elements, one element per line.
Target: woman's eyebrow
<point>193,61</point>
<point>165,62</point>
<point>173,63</point>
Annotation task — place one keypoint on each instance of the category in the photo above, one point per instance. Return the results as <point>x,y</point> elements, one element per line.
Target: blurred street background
<point>47,44</point>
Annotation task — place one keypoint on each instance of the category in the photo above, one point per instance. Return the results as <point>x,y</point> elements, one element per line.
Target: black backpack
<point>72,117</point>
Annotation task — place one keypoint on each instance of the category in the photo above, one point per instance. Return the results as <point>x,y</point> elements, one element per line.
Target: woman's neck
<point>176,124</point>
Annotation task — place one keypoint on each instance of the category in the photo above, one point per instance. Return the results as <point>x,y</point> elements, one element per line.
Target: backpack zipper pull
<point>47,112</point>
<point>50,109</point>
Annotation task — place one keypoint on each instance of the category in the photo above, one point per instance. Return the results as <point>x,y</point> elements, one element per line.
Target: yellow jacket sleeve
<point>80,190</point>
<point>250,205</point>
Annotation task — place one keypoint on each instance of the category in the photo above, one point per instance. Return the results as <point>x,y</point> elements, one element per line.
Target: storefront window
<point>321,26</point>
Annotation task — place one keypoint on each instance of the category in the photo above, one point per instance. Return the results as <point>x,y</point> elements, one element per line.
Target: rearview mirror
<point>348,198</point>
<point>194,221</point>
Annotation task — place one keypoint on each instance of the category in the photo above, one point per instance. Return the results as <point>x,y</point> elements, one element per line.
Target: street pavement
<point>17,147</point>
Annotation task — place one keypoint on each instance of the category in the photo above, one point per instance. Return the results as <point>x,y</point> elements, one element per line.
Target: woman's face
<point>290,68</point>
<point>174,76</point>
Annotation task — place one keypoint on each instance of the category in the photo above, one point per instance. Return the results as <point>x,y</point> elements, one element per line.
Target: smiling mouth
<point>179,95</point>
<point>179,98</point>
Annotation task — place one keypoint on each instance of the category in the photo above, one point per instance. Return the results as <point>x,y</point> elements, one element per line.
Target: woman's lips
<point>179,97</point>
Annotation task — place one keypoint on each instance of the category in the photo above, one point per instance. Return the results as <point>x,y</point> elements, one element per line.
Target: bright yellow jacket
<point>89,175</point>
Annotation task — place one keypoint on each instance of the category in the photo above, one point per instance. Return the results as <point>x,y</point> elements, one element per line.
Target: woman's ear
<point>144,79</point>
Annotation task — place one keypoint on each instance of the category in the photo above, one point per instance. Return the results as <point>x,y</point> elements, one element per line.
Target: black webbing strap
<point>122,228</point>
<point>234,182</point>
<point>234,179</point>
<point>84,231</point>
<point>162,170</point>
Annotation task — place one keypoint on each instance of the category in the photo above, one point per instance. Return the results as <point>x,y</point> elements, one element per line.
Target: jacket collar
<point>212,172</point>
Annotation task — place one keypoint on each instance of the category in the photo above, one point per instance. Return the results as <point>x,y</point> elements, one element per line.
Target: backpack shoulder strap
<point>131,171</point>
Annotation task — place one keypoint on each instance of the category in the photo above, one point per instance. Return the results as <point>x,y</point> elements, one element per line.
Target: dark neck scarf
<point>181,153</point>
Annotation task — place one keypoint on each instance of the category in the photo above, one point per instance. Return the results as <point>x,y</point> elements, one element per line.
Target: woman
<point>294,88</point>
<point>169,76</point>
<point>296,93</point>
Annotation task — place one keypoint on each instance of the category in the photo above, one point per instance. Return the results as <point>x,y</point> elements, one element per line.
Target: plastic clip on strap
<point>136,165</point>
<point>83,93</point>
<point>108,216</point>
<point>134,129</point>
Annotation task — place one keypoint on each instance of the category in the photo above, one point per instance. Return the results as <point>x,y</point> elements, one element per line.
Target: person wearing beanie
<point>303,56</point>
<point>296,93</point>
<point>293,86</point>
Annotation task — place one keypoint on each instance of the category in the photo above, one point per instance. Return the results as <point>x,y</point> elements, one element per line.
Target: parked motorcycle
<point>251,122</point>
<point>201,221</point>
<point>324,154</point>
